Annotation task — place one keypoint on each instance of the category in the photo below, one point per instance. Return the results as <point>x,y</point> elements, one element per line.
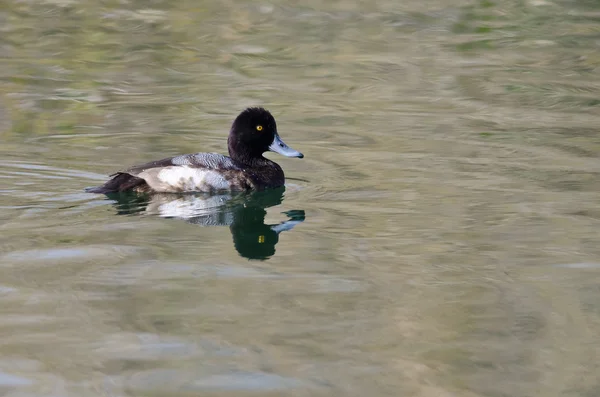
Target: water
<point>440,237</point>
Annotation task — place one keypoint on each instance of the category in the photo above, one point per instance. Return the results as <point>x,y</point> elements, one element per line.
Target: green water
<point>439,239</point>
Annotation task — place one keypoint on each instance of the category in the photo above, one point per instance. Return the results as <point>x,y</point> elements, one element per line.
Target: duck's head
<point>254,132</point>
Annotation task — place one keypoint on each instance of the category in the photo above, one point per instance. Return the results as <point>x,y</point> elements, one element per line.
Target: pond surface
<point>440,237</point>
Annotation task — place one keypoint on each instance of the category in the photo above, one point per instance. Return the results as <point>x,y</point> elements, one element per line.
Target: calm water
<point>440,238</point>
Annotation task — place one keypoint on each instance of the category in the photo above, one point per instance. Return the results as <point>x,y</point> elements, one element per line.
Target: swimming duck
<point>252,133</point>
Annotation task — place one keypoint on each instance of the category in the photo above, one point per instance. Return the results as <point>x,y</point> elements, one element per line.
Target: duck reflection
<point>244,213</point>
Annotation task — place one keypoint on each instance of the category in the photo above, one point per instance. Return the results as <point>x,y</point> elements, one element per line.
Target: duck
<point>253,132</point>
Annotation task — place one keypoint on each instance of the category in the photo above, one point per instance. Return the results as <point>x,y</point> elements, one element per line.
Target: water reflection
<point>244,213</point>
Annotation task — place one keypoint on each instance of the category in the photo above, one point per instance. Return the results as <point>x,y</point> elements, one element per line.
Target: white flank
<point>189,179</point>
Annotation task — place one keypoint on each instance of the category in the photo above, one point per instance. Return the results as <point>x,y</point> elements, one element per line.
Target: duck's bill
<point>279,146</point>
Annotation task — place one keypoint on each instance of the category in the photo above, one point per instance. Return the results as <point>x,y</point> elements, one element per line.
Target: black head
<point>254,132</point>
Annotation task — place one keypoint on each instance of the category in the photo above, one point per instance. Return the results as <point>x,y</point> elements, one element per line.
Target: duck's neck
<point>245,156</point>
<point>251,161</point>
<point>264,172</point>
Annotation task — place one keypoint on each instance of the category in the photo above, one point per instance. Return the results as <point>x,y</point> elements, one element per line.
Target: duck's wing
<point>208,161</point>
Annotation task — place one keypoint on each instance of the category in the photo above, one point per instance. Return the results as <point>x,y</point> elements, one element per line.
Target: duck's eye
<point>259,128</point>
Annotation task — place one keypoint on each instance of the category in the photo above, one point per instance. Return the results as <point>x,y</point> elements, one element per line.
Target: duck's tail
<point>120,182</point>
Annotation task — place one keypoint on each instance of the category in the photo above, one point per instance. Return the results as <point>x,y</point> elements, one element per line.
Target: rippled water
<point>440,237</point>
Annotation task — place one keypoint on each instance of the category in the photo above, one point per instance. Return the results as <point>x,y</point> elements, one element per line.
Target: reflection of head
<point>251,237</point>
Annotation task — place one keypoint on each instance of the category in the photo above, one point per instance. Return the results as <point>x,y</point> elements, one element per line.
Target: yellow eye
<point>259,128</point>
